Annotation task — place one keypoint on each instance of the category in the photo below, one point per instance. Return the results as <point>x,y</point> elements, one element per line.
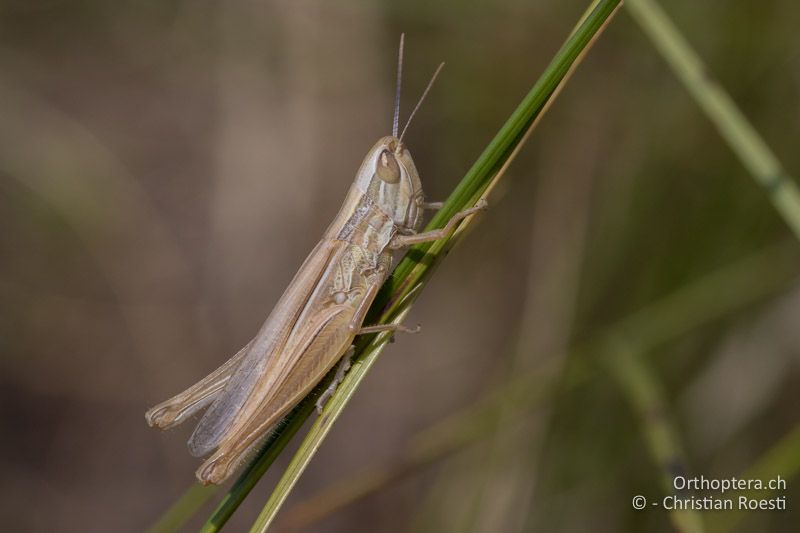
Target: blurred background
<point>626,310</point>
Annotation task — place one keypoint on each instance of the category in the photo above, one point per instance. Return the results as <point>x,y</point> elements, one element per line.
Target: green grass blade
<point>720,108</point>
<point>409,276</point>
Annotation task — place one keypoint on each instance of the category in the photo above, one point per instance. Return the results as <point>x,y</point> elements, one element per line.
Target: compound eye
<point>387,168</point>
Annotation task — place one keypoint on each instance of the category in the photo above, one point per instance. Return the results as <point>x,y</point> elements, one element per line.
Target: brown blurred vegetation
<point>166,166</point>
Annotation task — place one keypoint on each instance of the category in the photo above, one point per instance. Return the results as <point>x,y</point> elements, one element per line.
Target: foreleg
<point>401,241</point>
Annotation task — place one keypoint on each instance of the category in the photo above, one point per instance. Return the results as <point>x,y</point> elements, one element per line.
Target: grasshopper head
<point>390,179</point>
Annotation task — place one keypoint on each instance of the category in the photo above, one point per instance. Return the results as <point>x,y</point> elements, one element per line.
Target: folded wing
<point>266,350</point>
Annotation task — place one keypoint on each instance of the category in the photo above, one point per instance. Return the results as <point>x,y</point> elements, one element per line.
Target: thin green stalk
<point>415,269</point>
<point>720,108</point>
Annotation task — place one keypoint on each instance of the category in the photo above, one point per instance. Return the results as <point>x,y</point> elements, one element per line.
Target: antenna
<point>396,121</point>
<point>421,99</point>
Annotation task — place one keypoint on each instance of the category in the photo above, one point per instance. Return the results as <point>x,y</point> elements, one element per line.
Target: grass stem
<point>717,104</point>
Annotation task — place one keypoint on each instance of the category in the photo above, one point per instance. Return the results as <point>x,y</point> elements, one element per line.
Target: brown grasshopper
<point>320,313</point>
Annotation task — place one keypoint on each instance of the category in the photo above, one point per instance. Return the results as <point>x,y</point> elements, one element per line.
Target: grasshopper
<point>316,320</point>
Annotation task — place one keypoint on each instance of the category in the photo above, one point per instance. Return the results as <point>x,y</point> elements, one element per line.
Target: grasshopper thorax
<point>390,180</point>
